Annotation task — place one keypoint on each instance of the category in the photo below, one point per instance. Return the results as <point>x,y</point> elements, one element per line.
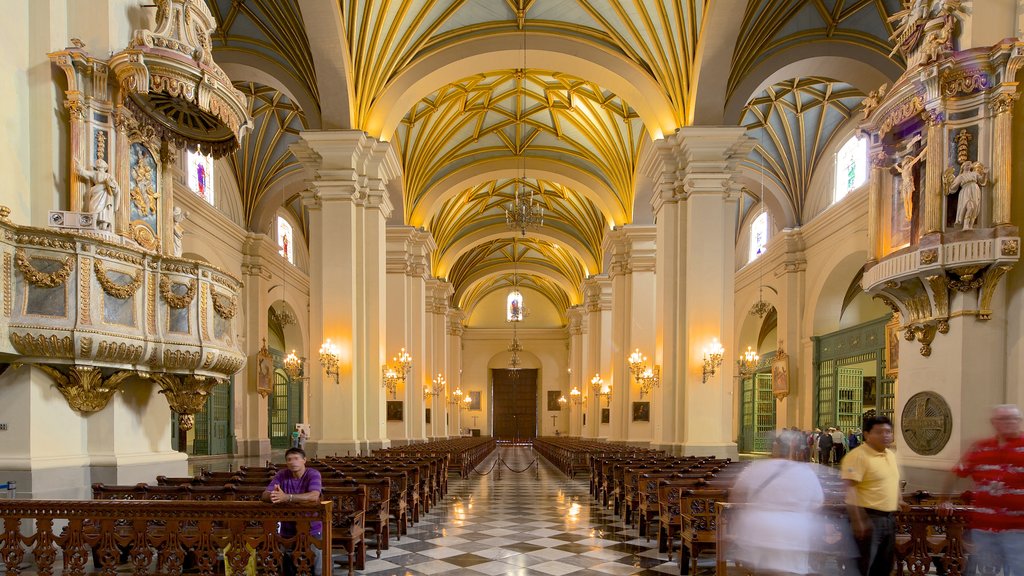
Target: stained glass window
<point>851,166</point>
<point>284,239</point>
<point>515,306</point>
<point>758,235</point>
<point>200,175</point>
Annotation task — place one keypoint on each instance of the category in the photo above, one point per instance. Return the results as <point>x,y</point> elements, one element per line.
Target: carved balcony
<point>91,309</point>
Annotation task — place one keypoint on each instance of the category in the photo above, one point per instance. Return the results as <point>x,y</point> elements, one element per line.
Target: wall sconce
<point>637,363</point>
<point>455,397</point>
<point>575,396</point>
<point>600,388</point>
<point>435,388</point>
<point>330,359</point>
<point>562,401</point>
<point>713,356</point>
<point>293,366</point>
<point>649,379</point>
<point>396,371</point>
<point>747,362</point>
<point>466,401</point>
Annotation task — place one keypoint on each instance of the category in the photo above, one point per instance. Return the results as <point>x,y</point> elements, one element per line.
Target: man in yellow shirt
<point>873,497</point>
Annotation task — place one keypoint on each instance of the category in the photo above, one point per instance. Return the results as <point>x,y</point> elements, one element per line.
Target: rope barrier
<point>535,464</point>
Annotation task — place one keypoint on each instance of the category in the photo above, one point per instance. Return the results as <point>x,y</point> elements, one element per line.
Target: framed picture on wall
<point>892,349</point>
<point>428,415</point>
<point>474,400</point>
<point>553,396</point>
<point>641,411</point>
<point>606,415</point>
<point>394,410</point>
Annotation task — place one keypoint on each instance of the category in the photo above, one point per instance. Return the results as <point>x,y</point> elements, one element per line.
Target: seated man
<point>296,484</point>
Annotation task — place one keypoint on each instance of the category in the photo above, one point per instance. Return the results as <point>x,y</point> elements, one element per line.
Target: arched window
<point>284,239</point>
<point>851,166</point>
<point>514,306</point>
<point>200,175</point>
<point>758,235</point>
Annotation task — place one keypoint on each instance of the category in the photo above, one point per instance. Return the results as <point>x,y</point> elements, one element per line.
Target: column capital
<point>439,293</point>
<point>409,250</point>
<point>597,293</point>
<point>348,165</point>
<point>698,160</point>
<point>456,322</point>
<point>632,249</point>
<point>577,317</point>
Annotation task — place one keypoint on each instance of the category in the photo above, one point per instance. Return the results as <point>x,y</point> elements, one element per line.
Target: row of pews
<point>221,515</point>
<point>684,501</point>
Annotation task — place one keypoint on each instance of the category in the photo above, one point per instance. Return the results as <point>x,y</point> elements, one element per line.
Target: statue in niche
<point>968,182</point>
<point>264,368</point>
<point>179,228</point>
<point>905,168</point>
<point>102,196</point>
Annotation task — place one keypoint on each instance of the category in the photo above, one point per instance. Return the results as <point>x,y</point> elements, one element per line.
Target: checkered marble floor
<point>521,525</point>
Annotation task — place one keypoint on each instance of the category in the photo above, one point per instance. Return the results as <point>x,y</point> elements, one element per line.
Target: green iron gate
<point>285,407</point>
<point>213,423</point>
<point>838,394</point>
<point>757,410</point>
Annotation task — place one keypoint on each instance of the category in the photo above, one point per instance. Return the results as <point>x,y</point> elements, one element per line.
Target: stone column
<point>632,251</point>
<point>1002,169</point>
<point>250,409</point>
<point>408,258</point>
<point>455,328</point>
<point>795,408</point>
<point>875,225</point>
<point>598,295</point>
<point>669,289</point>
<point>347,173</point>
<point>438,294</point>
<point>576,319</point>
<point>704,161</point>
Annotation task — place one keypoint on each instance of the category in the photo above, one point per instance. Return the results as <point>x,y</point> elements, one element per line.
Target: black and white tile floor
<point>521,525</point>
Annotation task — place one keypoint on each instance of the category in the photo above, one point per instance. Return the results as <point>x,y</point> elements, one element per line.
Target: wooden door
<point>514,404</point>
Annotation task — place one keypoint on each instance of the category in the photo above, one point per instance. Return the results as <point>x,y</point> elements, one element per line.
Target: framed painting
<point>394,410</point>
<point>641,411</point>
<point>606,415</point>
<point>474,400</point>
<point>428,415</point>
<point>553,396</point>
<point>892,349</point>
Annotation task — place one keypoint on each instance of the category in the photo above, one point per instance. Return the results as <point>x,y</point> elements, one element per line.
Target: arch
<point>527,360</point>
<point>782,212</point>
<point>825,297</point>
<point>564,173</point>
<point>717,44</point>
<point>486,273</point>
<point>293,333</point>
<point>325,32</point>
<point>456,60</point>
<point>861,67</point>
<point>247,67</point>
<point>498,231</point>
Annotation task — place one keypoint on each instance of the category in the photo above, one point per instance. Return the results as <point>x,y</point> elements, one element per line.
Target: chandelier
<point>748,362</point>
<point>435,388</point>
<point>293,365</point>
<point>647,377</point>
<point>601,389</point>
<point>283,317</point>
<point>515,348</point>
<point>524,212</point>
<point>396,371</point>
<point>761,308</point>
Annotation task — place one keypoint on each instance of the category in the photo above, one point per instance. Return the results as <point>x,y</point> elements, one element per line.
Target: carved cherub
<point>937,43</point>
<point>874,99</point>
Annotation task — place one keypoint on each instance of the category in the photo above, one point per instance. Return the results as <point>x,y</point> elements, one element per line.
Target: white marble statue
<point>179,228</point>
<point>103,195</point>
<point>905,168</point>
<point>968,182</point>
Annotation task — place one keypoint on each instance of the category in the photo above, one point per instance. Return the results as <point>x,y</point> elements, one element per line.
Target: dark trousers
<point>824,456</point>
<point>878,549</point>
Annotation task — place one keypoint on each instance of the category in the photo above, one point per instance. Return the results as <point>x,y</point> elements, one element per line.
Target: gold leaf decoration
<point>111,288</point>
<point>43,279</point>
<point>84,387</point>
<point>225,306</point>
<point>173,300</point>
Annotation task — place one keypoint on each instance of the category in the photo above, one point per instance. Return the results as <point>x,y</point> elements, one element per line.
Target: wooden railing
<point>167,533</point>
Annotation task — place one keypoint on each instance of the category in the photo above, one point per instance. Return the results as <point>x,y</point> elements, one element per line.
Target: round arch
<point>825,297</point>
<point>859,66</point>
<point>778,203</point>
<point>293,333</point>
<point>499,231</point>
<point>564,173</point>
<point>500,50</point>
<point>246,66</point>
<point>486,274</point>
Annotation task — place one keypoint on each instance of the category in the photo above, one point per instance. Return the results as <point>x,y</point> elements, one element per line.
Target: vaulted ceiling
<point>554,98</point>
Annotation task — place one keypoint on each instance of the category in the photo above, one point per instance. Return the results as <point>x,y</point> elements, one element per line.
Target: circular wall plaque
<point>927,423</point>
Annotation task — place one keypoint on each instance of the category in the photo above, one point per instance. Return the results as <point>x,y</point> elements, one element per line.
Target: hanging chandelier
<point>524,212</point>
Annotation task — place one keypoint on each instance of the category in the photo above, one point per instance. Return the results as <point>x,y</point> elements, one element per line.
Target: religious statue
<point>102,197</point>
<point>914,11</point>
<point>780,374</point>
<point>937,42</point>
<point>874,99</point>
<point>969,181</point>
<point>264,368</point>
<point>905,168</point>
<point>179,228</point>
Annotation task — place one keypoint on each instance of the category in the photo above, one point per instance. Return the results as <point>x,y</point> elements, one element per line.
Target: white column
<point>669,289</point>
<point>251,409</point>
<point>439,293</point>
<point>795,408</point>
<point>348,172</point>
<point>455,329</point>
<point>598,295</point>
<point>576,320</point>
<point>704,161</point>
<point>632,250</point>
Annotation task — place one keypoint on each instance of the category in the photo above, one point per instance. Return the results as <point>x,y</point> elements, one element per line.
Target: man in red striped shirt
<point>996,465</point>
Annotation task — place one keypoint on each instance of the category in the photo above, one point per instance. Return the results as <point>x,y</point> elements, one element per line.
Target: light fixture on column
<point>713,356</point>
<point>649,379</point>
<point>747,362</point>
<point>330,359</point>
<point>396,372</point>
<point>637,363</point>
<point>562,400</point>
<point>601,389</point>
<point>575,396</point>
<point>293,366</point>
<point>435,388</point>
<point>455,397</point>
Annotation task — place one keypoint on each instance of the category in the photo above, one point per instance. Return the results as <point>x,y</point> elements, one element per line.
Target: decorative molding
<point>8,296</point>
<point>173,300</point>
<point>225,306</point>
<point>84,387</point>
<point>85,292</point>
<point>111,288</point>
<point>43,279</point>
<point>51,346</point>
<point>119,352</point>
<point>963,81</point>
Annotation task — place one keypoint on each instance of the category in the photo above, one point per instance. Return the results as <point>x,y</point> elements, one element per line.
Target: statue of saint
<point>264,368</point>
<point>179,228</point>
<point>102,197</point>
<point>969,181</point>
<point>905,168</point>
